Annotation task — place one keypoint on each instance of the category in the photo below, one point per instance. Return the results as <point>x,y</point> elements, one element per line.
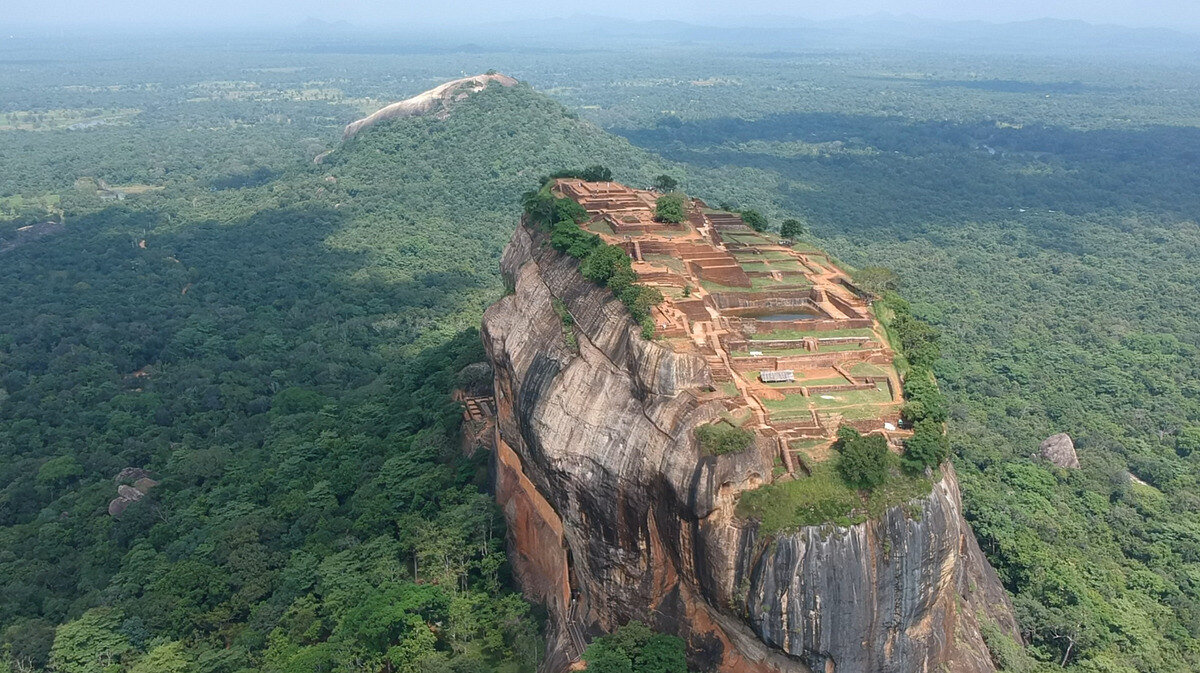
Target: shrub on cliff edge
<point>862,459</point>
<point>722,438</point>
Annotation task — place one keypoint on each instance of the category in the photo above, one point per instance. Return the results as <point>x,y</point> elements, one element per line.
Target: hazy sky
<point>1184,14</point>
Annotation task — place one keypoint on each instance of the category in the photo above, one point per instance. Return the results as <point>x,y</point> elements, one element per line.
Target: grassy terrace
<point>600,227</point>
<point>773,255</point>
<point>747,239</point>
<point>869,399</point>
<point>772,352</point>
<point>668,261</point>
<point>759,284</point>
<point>755,266</point>
<point>784,335</point>
<point>824,497</point>
<point>788,403</point>
<point>868,369</point>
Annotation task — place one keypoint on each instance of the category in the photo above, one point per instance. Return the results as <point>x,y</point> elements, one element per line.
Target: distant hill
<point>438,193</point>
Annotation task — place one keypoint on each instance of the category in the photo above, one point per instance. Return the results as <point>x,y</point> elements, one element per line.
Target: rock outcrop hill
<point>436,101</point>
<point>615,515</point>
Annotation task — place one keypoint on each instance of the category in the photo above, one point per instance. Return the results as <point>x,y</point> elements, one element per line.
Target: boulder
<point>117,506</point>
<point>145,484</point>
<point>130,493</point>
<point>1060,450</point>
<point>130,475</point>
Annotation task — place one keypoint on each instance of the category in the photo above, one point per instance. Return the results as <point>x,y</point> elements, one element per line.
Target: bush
<point>791,228</point>
<point>927,448</point>
<point>604,262</point>
<point>756,220</point>
<point>670,208</point>
<point>1187,441</point>
<point>635,648</point>
<point>608,265</point>
<point>923,399</point>
<point>876,279</point>
<point>665,183</point>
<point>569,238</point>
<point>863,459</point>
<point>543,208</point>
<point>721,438</point>
<point>916,339</point>
<point>596,173</point>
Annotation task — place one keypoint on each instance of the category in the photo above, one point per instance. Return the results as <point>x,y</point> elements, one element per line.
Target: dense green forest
<point>279,354</point>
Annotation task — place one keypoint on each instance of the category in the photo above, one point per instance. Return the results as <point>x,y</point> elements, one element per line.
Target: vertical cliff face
<point>614,514</point>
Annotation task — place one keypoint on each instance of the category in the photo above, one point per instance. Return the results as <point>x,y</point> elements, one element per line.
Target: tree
<point>756,220</point>
<point>596,173</point>
<point>665,183</point>
<point>58,471</point>
<point>603,659</point>
<point>876,279</point>
<point>1187,441</point>
<point>661,654</point>
<point>89,644</point>
<point>603,263</point>
<point>927,448</point>
<point>862,459</point>
<point>670,208</point>
<point>635,648</point>
<point>169,657</point>
<point>791,228</point>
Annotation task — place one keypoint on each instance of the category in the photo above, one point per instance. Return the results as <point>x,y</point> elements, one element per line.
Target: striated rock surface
<point>1060,450</point>
<point>435,101</point>
<point>614,515</point>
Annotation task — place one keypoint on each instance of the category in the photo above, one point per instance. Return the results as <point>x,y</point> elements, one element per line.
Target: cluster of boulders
<point>133,483</point>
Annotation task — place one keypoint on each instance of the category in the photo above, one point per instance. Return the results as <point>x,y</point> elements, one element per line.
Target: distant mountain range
<point>789,33</point>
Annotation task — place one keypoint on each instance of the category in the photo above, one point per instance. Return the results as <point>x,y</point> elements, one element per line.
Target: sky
<point>1179,14</point>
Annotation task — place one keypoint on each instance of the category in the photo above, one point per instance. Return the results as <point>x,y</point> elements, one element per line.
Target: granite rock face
<point>615,515</point>
<point>1060,450</point>
<point>436,101</point>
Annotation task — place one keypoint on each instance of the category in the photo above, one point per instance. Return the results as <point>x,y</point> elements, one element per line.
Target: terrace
<point>792,345</point>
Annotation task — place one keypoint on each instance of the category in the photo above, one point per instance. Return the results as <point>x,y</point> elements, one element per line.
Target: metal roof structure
<point>780,376</point>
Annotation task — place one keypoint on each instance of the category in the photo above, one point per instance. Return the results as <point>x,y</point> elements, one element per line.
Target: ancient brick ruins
<point>756,310</point>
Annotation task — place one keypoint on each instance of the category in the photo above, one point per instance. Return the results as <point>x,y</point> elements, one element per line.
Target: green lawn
<point>765,254</point>
<point>807,444</point>
<point>876,396</point>
<point>729,388</point>
<point>788,266</point>
<point>835,348</point>
<point>788,403</point>
<point>773,352</point>
<point>754,266</point>
<point>800,334</point>
<point>868,369</point>
<point>756,285</point>
<point>668,261</point>
<point>600,227</point>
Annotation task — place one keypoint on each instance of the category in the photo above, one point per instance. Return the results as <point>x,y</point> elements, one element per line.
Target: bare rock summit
<point>436,101</point>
